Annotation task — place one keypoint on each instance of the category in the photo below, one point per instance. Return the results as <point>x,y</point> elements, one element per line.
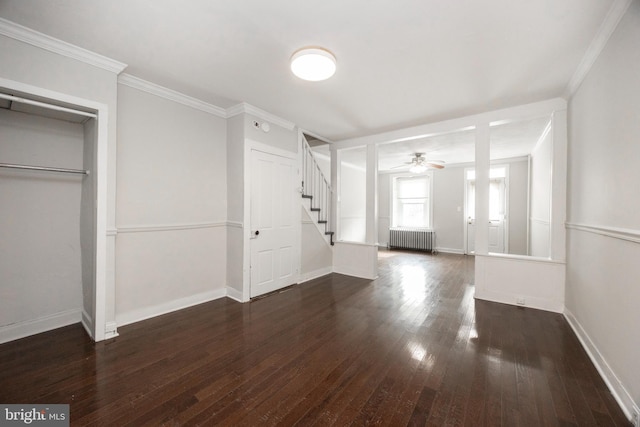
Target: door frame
<point>98,327</point>
<point>505,220</point>
<point>249,146</point>
<point>465,217</point>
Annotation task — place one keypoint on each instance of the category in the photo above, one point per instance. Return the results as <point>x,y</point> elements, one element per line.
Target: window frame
<point>392,198</point>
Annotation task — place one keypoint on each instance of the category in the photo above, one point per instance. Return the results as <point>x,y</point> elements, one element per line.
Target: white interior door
<point>471,235</point>
<point>273,225</point>
<point>496,236</point>
<point>470,209</point>
<point>497,214</point>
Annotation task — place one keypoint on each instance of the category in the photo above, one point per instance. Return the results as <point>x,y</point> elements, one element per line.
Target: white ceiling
<point>399,64</point>
<point>507,141</point>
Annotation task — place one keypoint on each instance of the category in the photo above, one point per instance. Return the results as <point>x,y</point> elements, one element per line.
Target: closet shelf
<point>43,168</point>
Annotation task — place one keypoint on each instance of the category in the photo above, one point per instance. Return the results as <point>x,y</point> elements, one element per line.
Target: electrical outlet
<point>635,417</point>
<point>520,301</point>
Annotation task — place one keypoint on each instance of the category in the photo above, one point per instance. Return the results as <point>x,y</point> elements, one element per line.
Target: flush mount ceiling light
<point>313,64</point>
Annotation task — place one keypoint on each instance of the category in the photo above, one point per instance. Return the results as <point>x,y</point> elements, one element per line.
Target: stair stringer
<point>313,215</point>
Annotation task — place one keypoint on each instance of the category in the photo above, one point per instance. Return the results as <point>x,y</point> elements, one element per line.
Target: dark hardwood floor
<point>411,348</point>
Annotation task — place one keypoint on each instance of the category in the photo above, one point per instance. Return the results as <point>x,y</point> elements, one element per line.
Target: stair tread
<point>321,221</point>
<point>306,196</point>
<point>328,233</point>
<point>315,209</point>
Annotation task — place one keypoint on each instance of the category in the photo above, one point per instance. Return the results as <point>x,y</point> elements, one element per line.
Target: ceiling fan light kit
<point>418,168</point>
<point>313,64</point>
<point>420,164</point>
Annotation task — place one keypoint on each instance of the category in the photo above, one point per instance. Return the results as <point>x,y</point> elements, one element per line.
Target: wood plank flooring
<point>411,348</point>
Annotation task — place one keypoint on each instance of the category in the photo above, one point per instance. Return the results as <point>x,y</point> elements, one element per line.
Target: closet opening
<point>49,220</point>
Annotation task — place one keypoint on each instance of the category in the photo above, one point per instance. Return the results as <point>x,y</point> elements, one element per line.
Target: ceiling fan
<point>419,164</point>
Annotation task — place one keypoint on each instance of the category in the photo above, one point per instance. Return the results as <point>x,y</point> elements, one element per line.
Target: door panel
<point>471,236</point>
<point>496,236</point>
<point>273,225</point>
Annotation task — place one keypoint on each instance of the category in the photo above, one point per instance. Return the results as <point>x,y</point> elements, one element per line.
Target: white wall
<point>316,257</point>
<point>40,252</point>
<point>526,281</point>
<point>518,194</point>
<point>353,194</point>
<point>540,196</point>
<point>235,205</point>
<point>603,289</point>
<point>171,211</point>
<point>384,208</point>
<point>448,195</point>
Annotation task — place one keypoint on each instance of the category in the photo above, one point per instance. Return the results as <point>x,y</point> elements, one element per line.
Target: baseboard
<point>87,323</point>
<point>234,294</point>
<point>355,272</point>
<point>168,307</point>
<point>511,299</point>
<point>111,330</point>
<point>618,390</point>
<point>450,251</point>
<point>27,328</point>
<point>305,277</point>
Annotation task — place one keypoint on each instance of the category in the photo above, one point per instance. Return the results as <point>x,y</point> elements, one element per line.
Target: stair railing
<point>316,188</point>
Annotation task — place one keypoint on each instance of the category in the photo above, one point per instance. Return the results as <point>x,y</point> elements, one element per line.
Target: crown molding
<point>243,107</point>
<point>170,94</point>
<point>608,26</point>
<point>316,136</point>
<point>43,41</point>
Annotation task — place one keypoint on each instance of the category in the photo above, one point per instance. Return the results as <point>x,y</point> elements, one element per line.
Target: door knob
<point>257,232</point>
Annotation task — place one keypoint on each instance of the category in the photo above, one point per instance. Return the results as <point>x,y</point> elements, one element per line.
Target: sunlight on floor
<point>386,254</point>
<point>413,282</point>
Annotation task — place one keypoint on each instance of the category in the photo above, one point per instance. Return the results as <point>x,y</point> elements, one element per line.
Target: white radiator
<point>412,238</point>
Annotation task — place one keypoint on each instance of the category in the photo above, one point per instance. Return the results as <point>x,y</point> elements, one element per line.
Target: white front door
<point>471,236</point>
<point>497,214</point>
<point>273,226</point>
<point>496,236</point>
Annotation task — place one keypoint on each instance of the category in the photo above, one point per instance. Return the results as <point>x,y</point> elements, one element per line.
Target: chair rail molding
<point>627,234</point>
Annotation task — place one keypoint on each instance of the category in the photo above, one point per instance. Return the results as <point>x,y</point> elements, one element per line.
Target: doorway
<point>498,210</point>
<point>91,216</point>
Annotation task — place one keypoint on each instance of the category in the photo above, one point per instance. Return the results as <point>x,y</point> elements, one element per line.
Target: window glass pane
<point>413,215</point>
<point>413,187</point>
<point>497,173</point>
<point>496,199</point>
<point>471,200</point>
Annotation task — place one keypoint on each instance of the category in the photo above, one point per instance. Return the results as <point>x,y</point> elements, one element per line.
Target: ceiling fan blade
<point>433,165</point>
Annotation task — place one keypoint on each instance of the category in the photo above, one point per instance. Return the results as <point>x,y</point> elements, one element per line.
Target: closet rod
<point>45,105</point>
<point>42,168</point>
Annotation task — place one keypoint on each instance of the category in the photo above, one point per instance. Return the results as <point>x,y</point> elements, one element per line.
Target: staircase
<point>316,188</point>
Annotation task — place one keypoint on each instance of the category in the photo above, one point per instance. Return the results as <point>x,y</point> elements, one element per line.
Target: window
<point>411,201</point>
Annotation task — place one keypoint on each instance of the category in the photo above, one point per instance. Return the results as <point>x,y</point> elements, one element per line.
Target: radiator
<point>412,238</point>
